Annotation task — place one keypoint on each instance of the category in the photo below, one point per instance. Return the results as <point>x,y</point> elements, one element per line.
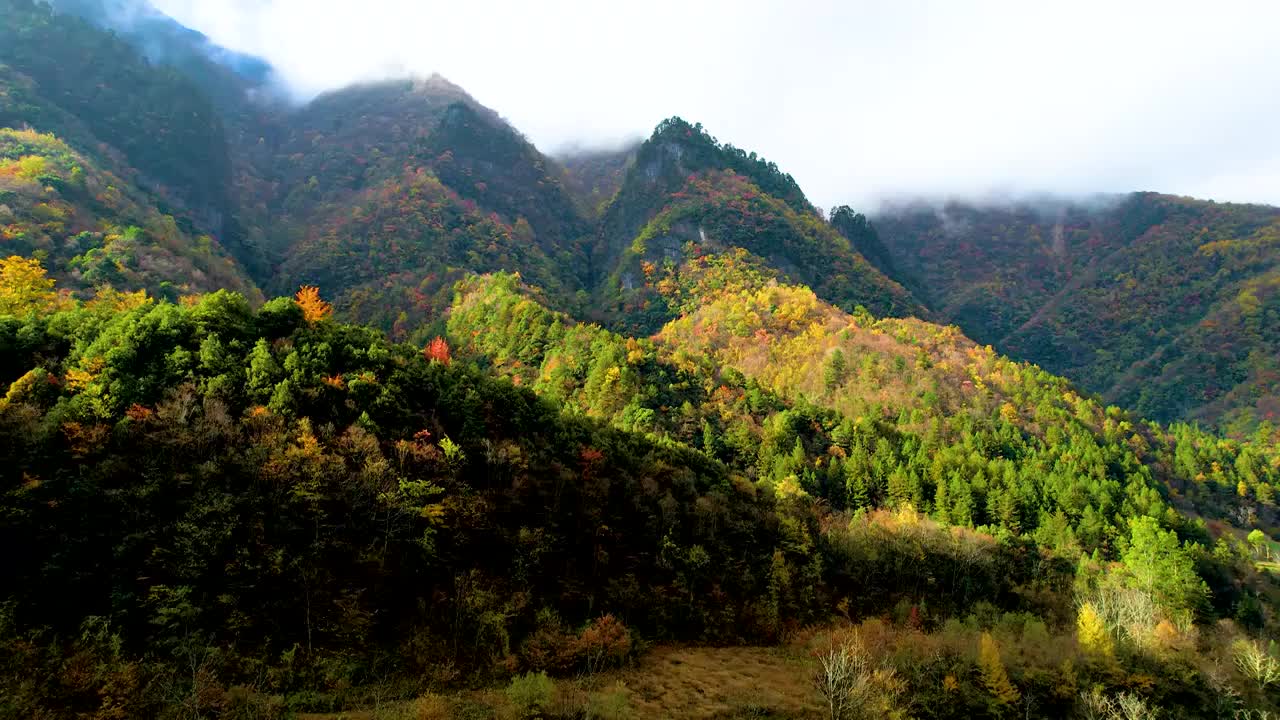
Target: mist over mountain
<point>164,40</point>
<point>326,391</point>
<point>997,98</point>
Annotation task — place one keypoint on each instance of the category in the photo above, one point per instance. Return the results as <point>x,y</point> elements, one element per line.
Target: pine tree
<point>834,489</point>
<point>942,503</point>
<point>711,442</point>
<point>962,505</point>
<point>837,368</point>
<point>856,491</point>
<point>899,487</point>
<point>798,461</point>
<point>994,677</point>
<point>1160,566</point>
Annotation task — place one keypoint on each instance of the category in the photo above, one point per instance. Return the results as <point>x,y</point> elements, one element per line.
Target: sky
<point>859,101</point>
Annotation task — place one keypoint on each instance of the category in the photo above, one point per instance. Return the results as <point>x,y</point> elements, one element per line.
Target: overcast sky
<point>857,100</point>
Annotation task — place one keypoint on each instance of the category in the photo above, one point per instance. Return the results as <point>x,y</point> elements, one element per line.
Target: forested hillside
<point>686,191</point>
<point>1163,304</point>
<point>95,228</point>
<point>524,437</point>
<point>102,90</point>
<point>332,510</point>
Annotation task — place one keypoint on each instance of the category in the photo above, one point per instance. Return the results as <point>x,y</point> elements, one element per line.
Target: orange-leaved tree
<point>314,309</point>
<point>437,349</point>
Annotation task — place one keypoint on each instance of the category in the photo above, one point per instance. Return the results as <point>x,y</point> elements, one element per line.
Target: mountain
<point>148,123</point>
<point>246,485</point>
<point>685,193</point>
<point>889,386</point>
<point>224,75</point>
<point>421,184</point>
<point>1166,305</point>
<point>557,437</point>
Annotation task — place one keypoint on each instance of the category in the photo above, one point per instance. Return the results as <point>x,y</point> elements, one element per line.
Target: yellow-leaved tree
<point>314,309</point>
<point>994,676</point>
<point>1091,633</point>
<point>24,286</point>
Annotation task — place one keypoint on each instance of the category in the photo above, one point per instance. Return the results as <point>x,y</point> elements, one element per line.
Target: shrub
<point>429,707</point>
<point>1094,705</point>
<point>604,643</point>
<point>611,704</point>
<point>530,693</point>
<point>243,703</point>
<point>548,648</point>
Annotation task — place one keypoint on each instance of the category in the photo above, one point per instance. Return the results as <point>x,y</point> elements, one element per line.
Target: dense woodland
<point>510,426</point>
<point>1163,304</point>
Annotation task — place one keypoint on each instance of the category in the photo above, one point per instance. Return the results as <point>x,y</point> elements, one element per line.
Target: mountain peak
<point>437,84</point>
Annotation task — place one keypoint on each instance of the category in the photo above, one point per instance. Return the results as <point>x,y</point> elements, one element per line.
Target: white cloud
<point>858,100</point>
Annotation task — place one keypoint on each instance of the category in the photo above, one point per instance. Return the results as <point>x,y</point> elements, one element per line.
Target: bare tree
<point>1257,663</point>
<point>850,683</point>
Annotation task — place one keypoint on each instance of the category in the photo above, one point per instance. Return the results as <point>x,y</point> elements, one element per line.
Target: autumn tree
<point>1091,632</point>
<point>24,286</point>
<point>438,350</point>
<point>994,676</point>
<point>1258,541</point>
<point>314,309</point>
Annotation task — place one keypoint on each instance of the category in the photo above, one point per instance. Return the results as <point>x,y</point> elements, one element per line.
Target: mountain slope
<point>1163,304</point>
<point>391,256</point>
<point>94,228</point>
<point>160,121</point>
<point>915,412</point>
<point>685,194</point>
<point>231,508</point>
<point>593,177</point>
<point>391,191</point>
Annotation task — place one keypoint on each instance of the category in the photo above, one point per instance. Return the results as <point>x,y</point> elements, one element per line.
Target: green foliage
<point>237,509</point>
<point>310,492</point>
<point>531,693</point>
<point>1160,567</point>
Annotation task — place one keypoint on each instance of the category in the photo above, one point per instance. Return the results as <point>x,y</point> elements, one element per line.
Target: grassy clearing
<point>701,682</point>
<point>667,682</point>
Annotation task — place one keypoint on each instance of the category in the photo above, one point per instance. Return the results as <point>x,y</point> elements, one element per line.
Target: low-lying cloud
<point>858,100</point>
